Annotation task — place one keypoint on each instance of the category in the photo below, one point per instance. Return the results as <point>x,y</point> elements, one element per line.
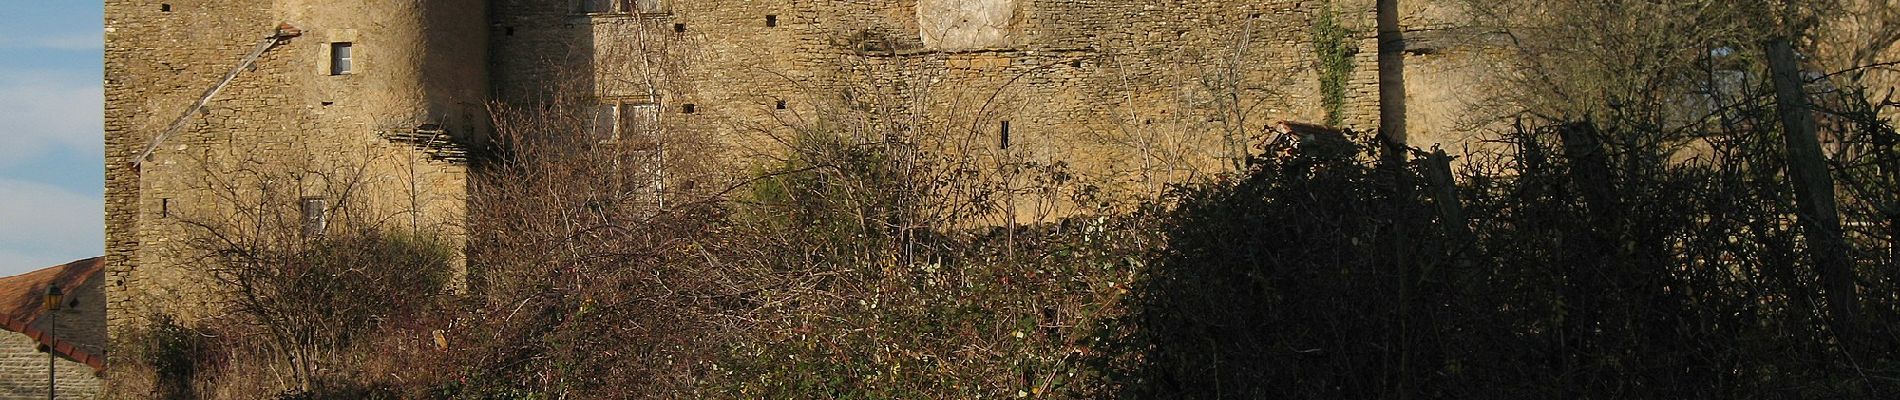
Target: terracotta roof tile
<point>20,304</point>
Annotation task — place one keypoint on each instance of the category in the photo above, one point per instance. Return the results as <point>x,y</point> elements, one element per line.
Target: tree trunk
<point>1814,190</point>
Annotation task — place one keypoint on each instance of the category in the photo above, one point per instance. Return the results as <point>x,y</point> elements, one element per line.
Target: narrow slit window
<point>1004,133</point>
<point>164,208</point>
<point>342,58</point>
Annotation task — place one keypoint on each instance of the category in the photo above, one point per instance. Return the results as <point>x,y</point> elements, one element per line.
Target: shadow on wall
<point>551,50</point>
<point>455,80</point>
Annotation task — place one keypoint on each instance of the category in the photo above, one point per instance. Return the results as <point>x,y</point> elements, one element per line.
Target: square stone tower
<point>239,117</point>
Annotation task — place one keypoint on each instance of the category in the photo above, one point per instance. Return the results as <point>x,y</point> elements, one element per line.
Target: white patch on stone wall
<point>965,24</point>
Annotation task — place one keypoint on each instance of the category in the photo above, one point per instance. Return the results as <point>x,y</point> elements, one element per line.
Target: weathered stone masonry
<point>288,123</point>
<point>1128,92</point>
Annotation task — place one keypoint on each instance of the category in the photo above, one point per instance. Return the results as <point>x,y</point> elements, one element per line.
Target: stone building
<point>77,343</point>
<point>305,102</point>
<point>322,110</point>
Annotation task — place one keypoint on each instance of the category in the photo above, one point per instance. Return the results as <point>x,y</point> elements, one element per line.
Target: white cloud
<point>40,110</point>
<point>43,225</point>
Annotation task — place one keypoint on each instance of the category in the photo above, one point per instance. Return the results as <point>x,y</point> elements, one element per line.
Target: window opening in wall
<point>594,6</point>
<point>1004,129</point>
<point>640,125</point>
<point>641,6</point>
<point>164,208</point>
<point>617,6</point>
<point>341,58</point>
<point>165,7</point>
<point>688,109</point>
<point>781,104</point>
<point>604,121</point>
<point>510,31</point>
<point>680,28</point>
<point>316,215</point>
<point>627,120</point>
<point>771,21</point>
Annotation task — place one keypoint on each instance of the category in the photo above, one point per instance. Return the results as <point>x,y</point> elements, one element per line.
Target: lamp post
<point>53,296</point>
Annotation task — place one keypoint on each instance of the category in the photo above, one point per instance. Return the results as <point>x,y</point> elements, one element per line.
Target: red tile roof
<point>20,304</point>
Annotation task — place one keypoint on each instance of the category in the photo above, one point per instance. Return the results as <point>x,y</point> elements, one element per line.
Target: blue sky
<point>52,169</point>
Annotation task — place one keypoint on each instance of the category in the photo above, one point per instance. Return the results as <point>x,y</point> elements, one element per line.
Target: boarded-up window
<point>604,116</point>
<point>641,6</point>
<point>640,119</point>
<point>617,6</point>
<point>316,215</point>
<point>637,120</point>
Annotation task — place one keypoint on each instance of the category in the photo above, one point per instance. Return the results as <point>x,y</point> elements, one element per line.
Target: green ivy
<point>1335,66</point>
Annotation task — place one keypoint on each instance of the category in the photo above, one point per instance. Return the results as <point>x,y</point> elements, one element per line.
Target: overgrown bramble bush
<point>880,301</point>
<point>309,321</point>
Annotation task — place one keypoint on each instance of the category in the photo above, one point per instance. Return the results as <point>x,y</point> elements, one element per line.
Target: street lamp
<point>53,296</point>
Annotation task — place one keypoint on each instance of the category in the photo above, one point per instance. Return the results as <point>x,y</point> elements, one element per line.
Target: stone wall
<point>284,130</point>
<point>23,372</point>
<point>1181,88</point>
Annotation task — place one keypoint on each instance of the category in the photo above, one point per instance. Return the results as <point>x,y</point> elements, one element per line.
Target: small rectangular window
<point>164,208</point>
<point>341,58</point>
<point>771,21</point>
<point>316,215</point>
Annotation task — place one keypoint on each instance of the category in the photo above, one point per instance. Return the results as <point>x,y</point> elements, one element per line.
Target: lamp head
<point>53,295</point>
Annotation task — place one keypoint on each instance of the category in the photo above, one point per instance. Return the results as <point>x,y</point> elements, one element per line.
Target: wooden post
<point>1451,213</point>
<point>1814,190</point>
